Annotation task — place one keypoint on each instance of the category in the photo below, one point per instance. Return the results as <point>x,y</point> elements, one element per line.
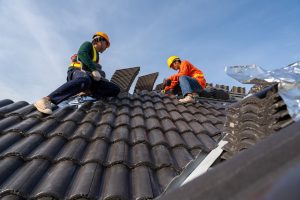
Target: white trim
<point>206,163</point>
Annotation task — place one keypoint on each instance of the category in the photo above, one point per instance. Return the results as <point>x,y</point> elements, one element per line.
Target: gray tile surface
<point>129,147</point>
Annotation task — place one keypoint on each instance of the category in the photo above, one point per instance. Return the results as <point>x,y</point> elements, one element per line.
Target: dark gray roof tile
<point>162,156</point>
<point>137,121</point>
<point>102,132</point>
<point>8,140</point>
<point>137,103</point>
<point>8,166</point>
<point>188,117</point>
<point>142,179</point>
<point>5,102</point>
<point>191,140</point>
<point>72,150</point>
<point>212,130</point>
<point>30,173</point>
<point>56,180</point>
<point>147,104</point>
<point>9,121</point>
<point>96,152</point>
<point>66,129</point>
<point>123,110</point>
<point>138,135</point>
<point>174,139</point>
<point>165,175</point>
<point>140,154</point>
<point>85,130</point>
<point>176,115</point>
<point>12,197</point>
<point>208,143</point>
<point>146,82</point>
<point>161,114</point>
<point>11,107</point>
<point>182,126</point>
<point>107,118</point>
<point>23,147</point>
<point>48,149</point>
<point>122,120</point>
<point>23,110</point>
<point>118,153</point>
<point>92,117</point>
<point>125,77</point>
<point>44,127</point>
<point>150,112</point>
<point>152,123</point>
<point>87,182</point>
<point>137,111</point>
<point>170,107</point>
<point>182,109</point>
<point>168,125</point>
<point>156,137</point>
<point>159,106</point>
<point>60,114</point>
<point>116,183</point>
<point>182,156</point>
<point>197,127</point>
<point>23,126</point>
<point>120,133</point>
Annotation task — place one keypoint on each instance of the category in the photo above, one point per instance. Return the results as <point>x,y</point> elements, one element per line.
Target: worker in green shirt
<point>84,73</point>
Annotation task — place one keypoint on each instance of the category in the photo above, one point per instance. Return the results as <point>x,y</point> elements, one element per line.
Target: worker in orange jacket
<point>190,79</point>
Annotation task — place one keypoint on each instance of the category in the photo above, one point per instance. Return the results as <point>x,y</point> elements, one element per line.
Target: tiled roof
<point>254,118</point>
<point>129,147</point>
<point>146,82</point>
<point>125,77</point>
<point>267,171</point>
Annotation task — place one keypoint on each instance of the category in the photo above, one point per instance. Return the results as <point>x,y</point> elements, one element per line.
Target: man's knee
<point>85,82</point>
<point>181,78</point>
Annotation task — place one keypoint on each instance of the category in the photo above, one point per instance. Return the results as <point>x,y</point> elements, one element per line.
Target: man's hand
<point>96,75</point>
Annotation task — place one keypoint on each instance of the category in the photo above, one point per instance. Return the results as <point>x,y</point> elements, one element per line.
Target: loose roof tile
<point>142,141</point>
<point>146,82</point>
<point>125,77</point>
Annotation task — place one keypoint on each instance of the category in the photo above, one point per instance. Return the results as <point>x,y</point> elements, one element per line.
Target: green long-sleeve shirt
<point>85,56</point>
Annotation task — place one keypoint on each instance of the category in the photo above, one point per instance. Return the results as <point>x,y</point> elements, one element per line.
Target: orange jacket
<point>187,69</point>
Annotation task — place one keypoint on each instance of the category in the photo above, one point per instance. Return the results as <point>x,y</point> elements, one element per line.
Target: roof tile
<point>116,184</point>
<point>87,182</point>
<point>72,150</point>
<point>95,152</point>
<point>56,180</point>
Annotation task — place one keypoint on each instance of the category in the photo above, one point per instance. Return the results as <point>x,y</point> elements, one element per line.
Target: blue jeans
<point>79,81</point>
<point>189,85</point>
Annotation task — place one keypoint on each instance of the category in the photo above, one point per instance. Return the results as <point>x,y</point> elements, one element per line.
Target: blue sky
<point>37,38</point>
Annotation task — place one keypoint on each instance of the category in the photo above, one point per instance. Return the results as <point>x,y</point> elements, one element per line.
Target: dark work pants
<point>79,81</point>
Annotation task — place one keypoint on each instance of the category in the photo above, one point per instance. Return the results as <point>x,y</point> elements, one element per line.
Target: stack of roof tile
<point>129,147</point>
<point>146,82</point>
<point>254,118</point>
<point>125,77</point>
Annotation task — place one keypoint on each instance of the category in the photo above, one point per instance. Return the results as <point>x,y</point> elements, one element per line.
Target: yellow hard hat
<point>171,60</point>
<point>104,35</point>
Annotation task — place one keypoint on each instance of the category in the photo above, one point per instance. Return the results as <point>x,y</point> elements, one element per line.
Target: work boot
<point>43,105</point>
<point>187,99</point>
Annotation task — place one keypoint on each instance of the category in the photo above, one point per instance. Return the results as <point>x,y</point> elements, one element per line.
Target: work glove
<point>96,75</point>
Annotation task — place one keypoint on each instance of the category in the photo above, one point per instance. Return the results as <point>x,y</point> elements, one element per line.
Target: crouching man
<point>190,79</point>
